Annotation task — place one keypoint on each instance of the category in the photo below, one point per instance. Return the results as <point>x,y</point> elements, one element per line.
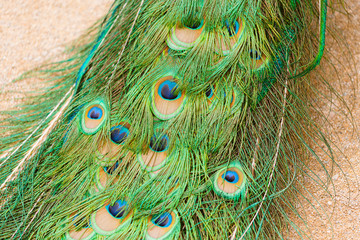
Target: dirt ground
<point>32,31</point>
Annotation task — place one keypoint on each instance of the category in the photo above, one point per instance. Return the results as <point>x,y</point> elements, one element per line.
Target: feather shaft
<point>41,139</point>
<point>275,160</point>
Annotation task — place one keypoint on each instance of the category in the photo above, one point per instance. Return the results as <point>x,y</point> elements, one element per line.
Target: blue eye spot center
<point>119,134</point>
<point>209,92</point>
<point>76,221</point>
<point>176,180</point>
<point>118,209</point>
<point>232,29</point>
<point>232,96</point>
<point>163,220</point>
<point>159,145</point>
<point>95,113</point>
<point>230,176</point>
<point>255,54</point>
<point>112,169</point>
<point>168,90</point>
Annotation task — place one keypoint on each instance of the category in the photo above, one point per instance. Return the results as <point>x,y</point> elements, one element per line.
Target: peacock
<point>183,119</point>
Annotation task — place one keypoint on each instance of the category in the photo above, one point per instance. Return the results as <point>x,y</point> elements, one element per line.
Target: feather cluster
<point>179,120</point>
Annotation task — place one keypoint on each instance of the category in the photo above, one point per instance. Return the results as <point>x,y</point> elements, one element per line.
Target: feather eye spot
<point>85,232</point>
<point>230,176</point>
<point>111,170</point>
<point>167,101</point>
<point>95,113</point>
<point>159,145</point>
<point>254,54</point>
<point>163,226</point>
<point>168,90</point>
<point>232,100</point>
<point>164,220</point>
<point>111,219</point>
<point>118,209</point>
<point>259,59</point>
<point>92,116</point>
<point>77,221</point>
<point>210,95</point>
<point>209,92</point>
<point>195,24</point>
<point>232,29</point>
<point>109,149</point>
<point>118,134</point>
<point>186,33</point>
<point>156,154</point>
<point>230,181</point>
<point>232,33</point>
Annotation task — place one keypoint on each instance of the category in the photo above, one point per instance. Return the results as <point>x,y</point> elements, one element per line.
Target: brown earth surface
<point>32,32</point>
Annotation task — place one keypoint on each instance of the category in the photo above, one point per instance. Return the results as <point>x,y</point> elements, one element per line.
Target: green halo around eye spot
<point>164,226</point>
<point>230,181</point>
<point>105,223</point>
<point>166,101</point>
<point>84,233</point>
<point>93,116</point>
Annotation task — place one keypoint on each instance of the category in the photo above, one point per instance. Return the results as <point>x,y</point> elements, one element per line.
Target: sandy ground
<point>32,31</point>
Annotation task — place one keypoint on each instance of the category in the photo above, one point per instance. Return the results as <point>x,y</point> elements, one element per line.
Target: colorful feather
<point>180,120</point>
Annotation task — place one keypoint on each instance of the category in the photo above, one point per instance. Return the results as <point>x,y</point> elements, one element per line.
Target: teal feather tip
<point>93,116</point>
<point>164,226</point>
<point>112,218</point>
<point>230,181</point>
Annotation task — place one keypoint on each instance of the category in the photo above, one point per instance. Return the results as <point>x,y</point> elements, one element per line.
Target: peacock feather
<point>173,120</point>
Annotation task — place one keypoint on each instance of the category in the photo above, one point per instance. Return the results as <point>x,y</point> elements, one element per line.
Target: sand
<point>33,31</point>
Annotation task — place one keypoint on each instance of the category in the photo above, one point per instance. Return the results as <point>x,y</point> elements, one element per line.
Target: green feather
<point>196,84</point>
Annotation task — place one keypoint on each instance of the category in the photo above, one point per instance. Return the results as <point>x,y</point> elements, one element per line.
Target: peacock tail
<point>172,120</point>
